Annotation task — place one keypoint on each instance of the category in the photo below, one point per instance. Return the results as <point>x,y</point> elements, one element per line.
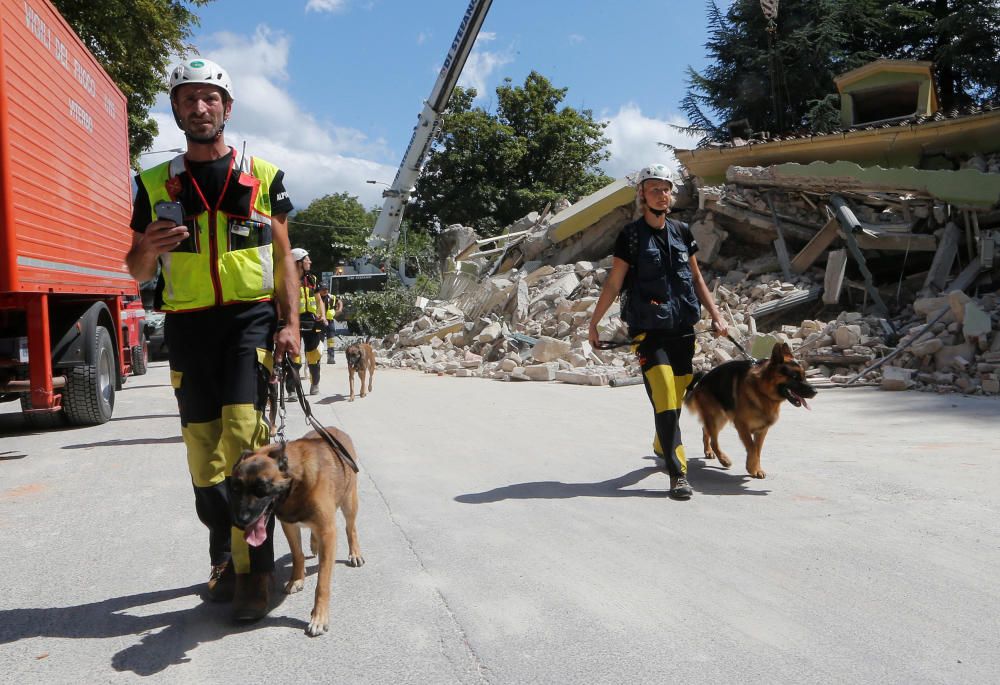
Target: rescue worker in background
<point>655,270</point>
<point>312,319</point>
<point>333,307</point>
<point>220,269</point>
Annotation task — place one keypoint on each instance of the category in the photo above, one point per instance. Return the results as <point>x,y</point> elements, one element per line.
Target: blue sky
<point>329,90</point>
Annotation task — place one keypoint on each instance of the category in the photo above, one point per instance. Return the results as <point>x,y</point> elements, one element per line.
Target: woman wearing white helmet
<point>221,271</point>
<point>655,271</point>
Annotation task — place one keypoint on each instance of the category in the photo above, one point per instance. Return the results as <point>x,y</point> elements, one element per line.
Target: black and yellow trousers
<point>665,358</point>
<point>312,333</point>
<point>220,362</point>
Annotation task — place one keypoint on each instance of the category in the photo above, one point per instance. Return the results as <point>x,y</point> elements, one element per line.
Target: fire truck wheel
<point>140,356</point>
<point>89,397</point>
<point>43,420</point>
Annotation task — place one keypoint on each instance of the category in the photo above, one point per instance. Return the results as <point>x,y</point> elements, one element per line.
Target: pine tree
<point>783,81</point>
<point>961,37</point>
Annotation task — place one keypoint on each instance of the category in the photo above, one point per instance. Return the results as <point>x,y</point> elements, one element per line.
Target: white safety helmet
<point>660,172</point>
<point>200,70</point>
<point>298,254</point>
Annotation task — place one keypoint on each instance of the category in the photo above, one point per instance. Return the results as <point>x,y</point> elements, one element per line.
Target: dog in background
<point>360,360</point>
<point>749,394</point>
<point>303,482</point>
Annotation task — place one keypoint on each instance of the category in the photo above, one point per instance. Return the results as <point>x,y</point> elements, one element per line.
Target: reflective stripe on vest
<point>228,258</point>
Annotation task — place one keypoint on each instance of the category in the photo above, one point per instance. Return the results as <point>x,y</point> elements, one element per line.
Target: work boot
<point>252,597</point>
<point>680,488</point>
<point>314,389</point>
<point>222,582</point>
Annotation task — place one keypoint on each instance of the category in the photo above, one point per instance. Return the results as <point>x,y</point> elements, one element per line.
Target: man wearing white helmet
<point>655,271</point>
<point>312,319</point>
<point>215,229</point>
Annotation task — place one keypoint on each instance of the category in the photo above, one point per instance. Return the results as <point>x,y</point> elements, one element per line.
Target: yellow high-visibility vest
<point>228,257</point>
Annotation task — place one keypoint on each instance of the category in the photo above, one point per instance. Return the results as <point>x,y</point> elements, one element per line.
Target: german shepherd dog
<point>749,394</point>
<point>304,483</point>
<point>360,360</point>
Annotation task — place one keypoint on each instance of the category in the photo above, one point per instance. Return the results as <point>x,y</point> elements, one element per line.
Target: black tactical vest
<point>658,294</point>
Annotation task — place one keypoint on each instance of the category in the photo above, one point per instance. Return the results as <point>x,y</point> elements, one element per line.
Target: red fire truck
<point>71,321</point>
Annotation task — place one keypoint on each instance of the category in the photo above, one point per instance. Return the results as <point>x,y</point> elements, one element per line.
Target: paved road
<point>520,533</point>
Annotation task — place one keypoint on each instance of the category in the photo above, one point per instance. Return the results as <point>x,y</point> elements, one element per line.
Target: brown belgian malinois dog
<point>749,394</point>
<point>303,483</point>
<point>360,360</point>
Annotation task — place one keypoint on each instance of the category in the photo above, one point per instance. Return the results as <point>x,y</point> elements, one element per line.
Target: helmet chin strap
<point>658,212</point>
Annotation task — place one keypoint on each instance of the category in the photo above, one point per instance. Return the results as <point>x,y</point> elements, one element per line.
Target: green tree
<point>778,77</point>
<point>961,37</point>
<point>332,227</point>
<point>134,42</point>
<point>487,170</point>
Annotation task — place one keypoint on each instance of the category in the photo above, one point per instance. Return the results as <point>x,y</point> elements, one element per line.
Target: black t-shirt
<point>210,177</point>
<point>621,242</point>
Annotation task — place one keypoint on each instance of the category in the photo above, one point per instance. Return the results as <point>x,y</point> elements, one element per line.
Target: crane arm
<point>386,230</point>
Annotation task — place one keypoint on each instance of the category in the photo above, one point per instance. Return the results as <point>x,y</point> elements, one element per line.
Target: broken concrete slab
<point>895,378</point>
<point>976,323</point>
<point>549,349</point>
<point>541,372</point>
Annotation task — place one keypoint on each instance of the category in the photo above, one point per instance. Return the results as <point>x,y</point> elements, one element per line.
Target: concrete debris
<point>957,353</point>
<point>881,274</point>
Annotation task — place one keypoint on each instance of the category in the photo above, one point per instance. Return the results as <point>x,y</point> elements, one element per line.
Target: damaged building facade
<point>872,250</point>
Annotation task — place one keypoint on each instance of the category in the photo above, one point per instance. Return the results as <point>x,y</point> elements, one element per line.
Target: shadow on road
<point>126,443</point>
<point>143,417</point>
<point>166,638</point>
<point>715,480</point>
<point>553,489</point>
<point>330,399</point>
<point>704,480</point>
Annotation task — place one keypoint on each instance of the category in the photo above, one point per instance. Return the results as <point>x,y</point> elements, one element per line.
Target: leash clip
<point>279,375</point>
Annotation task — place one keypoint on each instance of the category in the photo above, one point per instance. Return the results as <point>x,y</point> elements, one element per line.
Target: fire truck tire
<point>89,397</point>
<point>140,356</point>
<point>44,420</point>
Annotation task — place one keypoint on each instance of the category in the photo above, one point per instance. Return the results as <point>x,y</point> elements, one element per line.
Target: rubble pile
<point>520,326</point>
<point>878,259</point>
<point>951,344</point>
<point>532,325</point>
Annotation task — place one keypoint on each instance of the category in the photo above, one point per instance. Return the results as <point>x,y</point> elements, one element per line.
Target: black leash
<point>753,360</point>
<point>612,344</point>
<point>286,369</point>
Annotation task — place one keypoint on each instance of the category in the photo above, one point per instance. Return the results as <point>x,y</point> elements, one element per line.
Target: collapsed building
<point>871,250</point>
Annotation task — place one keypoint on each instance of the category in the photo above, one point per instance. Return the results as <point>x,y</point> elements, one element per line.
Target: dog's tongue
<point>803,401</point>
<point>256,533</point>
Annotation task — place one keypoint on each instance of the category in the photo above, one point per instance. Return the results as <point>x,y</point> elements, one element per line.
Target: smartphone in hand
<point>169,211</point>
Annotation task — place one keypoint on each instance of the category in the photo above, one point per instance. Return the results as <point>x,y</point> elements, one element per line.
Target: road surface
<point>520,533</point>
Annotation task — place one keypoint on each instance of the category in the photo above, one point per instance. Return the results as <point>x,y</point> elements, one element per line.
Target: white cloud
<point>634,139</point>
<point>483,64</point>
<point>325,5</point>
<point>480,66</point>
<point>422,38</point>
<point>318,157</point>
<point>576,38</point>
